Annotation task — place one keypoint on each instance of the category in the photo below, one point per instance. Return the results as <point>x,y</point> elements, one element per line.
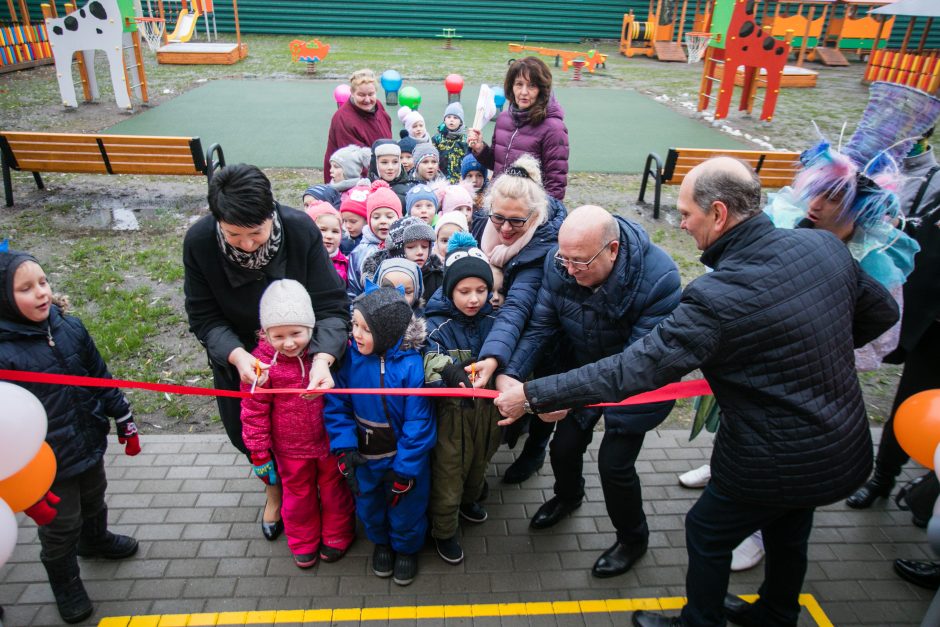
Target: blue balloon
<point>499,97</point>
<point>391,80</point>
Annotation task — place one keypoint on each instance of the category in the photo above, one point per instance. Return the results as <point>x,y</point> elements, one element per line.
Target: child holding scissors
<point>318,510</point>
<point>459,317</point>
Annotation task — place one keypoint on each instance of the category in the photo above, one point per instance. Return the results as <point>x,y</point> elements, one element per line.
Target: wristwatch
<point>526,407</point>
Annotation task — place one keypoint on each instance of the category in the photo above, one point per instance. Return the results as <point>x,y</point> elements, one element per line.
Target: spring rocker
<point>655,36</point>
<point>737,40</point>
<point>914,66</point>
<point>309,53</point>
<point>105,25</point>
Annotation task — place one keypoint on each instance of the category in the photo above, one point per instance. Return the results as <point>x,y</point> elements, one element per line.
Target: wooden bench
<point>103,154</point>
<point>776,169</point>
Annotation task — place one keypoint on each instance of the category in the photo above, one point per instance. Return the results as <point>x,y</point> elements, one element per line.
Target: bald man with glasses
<point>605,287</point>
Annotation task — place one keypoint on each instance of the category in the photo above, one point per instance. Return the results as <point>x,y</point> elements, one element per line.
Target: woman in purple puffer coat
<point>533,124</point>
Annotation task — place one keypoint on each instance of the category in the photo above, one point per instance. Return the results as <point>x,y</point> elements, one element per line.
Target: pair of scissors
<point>257,375</point>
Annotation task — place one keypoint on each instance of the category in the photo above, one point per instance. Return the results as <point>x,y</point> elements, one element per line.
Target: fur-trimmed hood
<point>415,335</point>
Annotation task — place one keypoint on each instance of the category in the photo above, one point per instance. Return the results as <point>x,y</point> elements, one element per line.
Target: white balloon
<point>8,531</point>
<point>22,427</point>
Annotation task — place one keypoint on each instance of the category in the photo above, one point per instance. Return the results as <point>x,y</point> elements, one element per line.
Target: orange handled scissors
<point>257,375</point>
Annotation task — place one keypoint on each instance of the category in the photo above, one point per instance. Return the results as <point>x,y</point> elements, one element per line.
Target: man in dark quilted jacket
<point>773,329</point>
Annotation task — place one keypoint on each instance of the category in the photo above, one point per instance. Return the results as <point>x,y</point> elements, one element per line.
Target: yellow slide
<point>185,27</point>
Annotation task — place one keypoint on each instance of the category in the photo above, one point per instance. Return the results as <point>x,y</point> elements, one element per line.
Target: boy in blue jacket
<point>383,443</point>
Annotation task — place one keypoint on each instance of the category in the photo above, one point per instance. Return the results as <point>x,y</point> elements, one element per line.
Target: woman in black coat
<point>230,257</point>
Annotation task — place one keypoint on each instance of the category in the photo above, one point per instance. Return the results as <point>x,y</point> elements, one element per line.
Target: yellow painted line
<point>317,616</point>
<point>418,612</point>
<point>405,612</point>
<point>348,614</point>
<point>812,606</point>
<point>374,613</point>
<point>458,611</point>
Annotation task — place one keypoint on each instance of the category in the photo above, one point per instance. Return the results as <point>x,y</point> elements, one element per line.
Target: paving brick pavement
<point>192,504</point>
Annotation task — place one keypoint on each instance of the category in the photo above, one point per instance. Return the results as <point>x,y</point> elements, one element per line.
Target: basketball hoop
<point>152,29</point>
<point>151,24</point>
<point>696,43</point>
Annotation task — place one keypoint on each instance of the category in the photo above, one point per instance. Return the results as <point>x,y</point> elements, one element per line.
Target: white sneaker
<point>748,554</point>
<point>697,478</point>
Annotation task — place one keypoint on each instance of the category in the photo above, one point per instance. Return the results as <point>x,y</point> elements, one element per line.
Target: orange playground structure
<point>738,40</point>
<point>183,51</point>
<point>660,34</point>
<point>913,64</point>
<point>592,58</point>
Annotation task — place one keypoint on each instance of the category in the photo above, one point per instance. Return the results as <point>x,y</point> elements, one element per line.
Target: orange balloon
<point>24,488</point>
<point>917,426</point>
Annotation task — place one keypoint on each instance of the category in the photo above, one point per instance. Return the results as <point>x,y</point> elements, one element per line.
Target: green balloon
<point>410,97</point>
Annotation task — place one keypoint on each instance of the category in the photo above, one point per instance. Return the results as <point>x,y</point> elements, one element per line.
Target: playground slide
<point>185,27</point>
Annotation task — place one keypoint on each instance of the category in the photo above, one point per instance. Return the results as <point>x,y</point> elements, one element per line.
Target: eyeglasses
<point>516,223</point>
<point>580,265</point>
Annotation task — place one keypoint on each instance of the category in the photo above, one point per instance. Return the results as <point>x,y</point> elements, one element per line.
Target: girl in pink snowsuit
<point>318,509</point>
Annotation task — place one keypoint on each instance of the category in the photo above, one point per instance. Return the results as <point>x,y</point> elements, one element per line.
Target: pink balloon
<point>341,94</point>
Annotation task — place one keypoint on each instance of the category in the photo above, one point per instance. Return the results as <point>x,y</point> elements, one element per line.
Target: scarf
<point>501,254</point>
<point>261,257</point>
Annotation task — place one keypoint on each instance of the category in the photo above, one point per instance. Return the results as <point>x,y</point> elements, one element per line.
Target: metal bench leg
<point>38,180</point>
<point>7,184</point>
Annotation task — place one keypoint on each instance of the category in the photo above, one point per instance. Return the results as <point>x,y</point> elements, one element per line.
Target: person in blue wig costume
<point>383,443</point>
<point>835,193</point>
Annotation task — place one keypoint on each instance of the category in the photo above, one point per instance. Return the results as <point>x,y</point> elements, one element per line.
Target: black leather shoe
<point>642,618</point>
<point>739,612</point>
<point>272,531</point>
<point>618,559</point>
<point>524,467</point>
<point>873,489</point>
<point>923,574</point>
<point>553,511</point>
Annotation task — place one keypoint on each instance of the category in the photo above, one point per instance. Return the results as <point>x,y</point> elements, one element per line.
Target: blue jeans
<point>714,526</point>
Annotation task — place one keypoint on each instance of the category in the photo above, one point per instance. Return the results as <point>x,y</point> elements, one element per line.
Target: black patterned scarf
<point>262,256</point>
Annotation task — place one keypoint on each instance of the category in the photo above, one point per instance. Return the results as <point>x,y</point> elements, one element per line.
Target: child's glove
<point>127,434</point>
<point>453,375</point>
<point>44,512</point>
<point>347,460</point>
<point>397,486</point>
<point>264,467</point>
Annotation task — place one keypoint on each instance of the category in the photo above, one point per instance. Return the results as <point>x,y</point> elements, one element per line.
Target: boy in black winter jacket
<point>36,335</point>
<point>459,317</point>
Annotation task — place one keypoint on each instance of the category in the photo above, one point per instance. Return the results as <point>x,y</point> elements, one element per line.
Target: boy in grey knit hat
<point>426,160</point>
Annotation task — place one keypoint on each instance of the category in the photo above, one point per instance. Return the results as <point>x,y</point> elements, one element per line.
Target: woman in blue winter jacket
<point>521,232</point>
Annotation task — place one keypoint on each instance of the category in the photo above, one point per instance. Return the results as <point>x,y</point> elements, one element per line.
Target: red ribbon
<point>684,389</point>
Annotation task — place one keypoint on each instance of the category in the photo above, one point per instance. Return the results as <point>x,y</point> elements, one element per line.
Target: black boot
<point>97,541</point>
<point>70,596</point>
<point>880,485</point>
